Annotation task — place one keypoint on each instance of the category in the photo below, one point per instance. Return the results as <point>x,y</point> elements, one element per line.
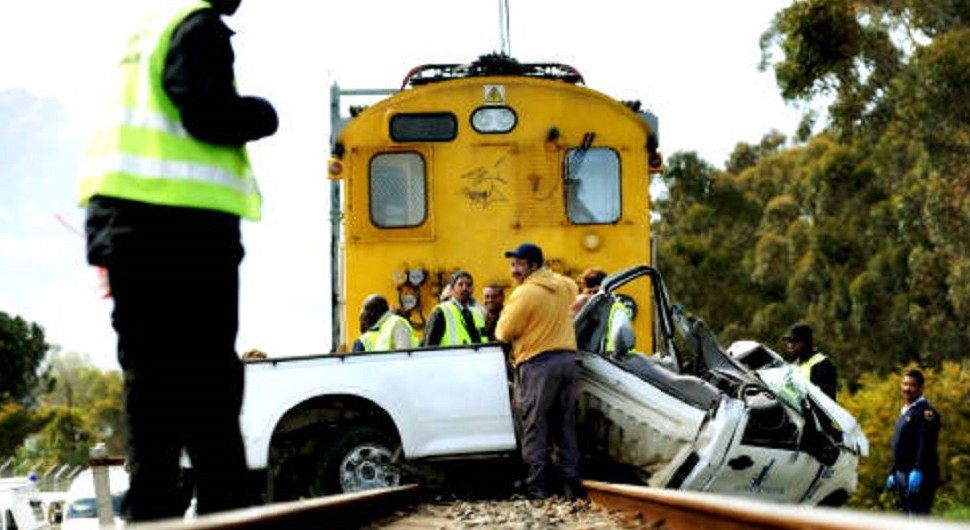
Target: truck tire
<point>358,457</point>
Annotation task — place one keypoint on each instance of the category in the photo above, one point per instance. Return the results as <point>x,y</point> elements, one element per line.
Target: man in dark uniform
<point>816,366</point>
<point>915,472</point>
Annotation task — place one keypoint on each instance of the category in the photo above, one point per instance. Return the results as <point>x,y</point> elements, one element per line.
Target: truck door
<point>766,463</point>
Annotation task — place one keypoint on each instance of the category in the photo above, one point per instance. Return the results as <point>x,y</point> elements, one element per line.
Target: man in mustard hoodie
<point>537,322</point>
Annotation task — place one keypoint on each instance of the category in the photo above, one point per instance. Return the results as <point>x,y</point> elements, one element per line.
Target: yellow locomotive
<point>466,161</point>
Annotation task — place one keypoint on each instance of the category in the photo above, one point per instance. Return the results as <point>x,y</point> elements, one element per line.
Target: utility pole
<point>505,38</point>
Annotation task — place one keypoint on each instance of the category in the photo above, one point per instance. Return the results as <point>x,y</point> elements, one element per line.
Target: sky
<point>692,62</point>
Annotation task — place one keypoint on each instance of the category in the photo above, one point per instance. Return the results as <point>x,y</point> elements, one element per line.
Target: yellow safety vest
<point>806,367</point>
<point>455,332</point>
<point>143,153</point>
<point>609,339</point>
<point>382,338</point>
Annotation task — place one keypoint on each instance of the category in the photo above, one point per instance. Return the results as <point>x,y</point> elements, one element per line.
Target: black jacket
<point>199,79</point>
<point>915,440</point>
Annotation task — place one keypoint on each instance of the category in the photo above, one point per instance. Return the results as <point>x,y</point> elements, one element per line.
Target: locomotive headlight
<point>493,120</point>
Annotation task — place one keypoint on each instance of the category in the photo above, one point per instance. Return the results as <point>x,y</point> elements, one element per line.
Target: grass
<point>957,513</point>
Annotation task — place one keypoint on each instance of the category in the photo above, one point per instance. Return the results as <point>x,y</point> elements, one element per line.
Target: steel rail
<point>349,510</point>
<point>677,510</point>
<point>641,507</point>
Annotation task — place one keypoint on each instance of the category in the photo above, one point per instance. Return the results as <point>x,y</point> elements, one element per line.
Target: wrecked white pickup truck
<point>741,422</point>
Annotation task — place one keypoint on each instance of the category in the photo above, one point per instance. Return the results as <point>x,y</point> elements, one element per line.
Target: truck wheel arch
<point>303,433</point>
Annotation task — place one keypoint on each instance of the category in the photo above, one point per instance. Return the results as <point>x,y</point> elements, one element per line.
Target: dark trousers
<point>174,279</point>
<point>918,503</point>
<point>921,502</point>
<point>545,397</point>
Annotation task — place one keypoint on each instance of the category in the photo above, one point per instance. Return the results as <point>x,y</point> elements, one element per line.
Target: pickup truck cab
<point>731,421</point>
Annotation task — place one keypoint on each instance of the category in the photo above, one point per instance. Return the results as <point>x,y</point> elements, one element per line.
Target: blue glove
<point>915,481</point>
<point>891,481</point>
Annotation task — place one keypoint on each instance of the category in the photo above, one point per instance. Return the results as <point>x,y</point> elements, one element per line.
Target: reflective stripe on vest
<point>455,331</point>
<point>143,152</point>
<point>806,367</point>
<point>382,338</point>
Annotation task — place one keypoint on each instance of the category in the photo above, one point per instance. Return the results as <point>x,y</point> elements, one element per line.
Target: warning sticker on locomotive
<point>494,94</point>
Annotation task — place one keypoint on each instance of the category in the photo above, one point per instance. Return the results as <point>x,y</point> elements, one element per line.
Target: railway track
<point>608,506</point>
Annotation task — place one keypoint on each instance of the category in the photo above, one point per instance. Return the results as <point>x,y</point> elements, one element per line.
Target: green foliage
<point>16,423</point>
<point>862,229</point>
<point>83,407</point>
<point>876,406</point>
<point>850,51</point>
<point>956,513</point>
<point>22,348</point>
<point>77,406</point>
<point>821,39</point>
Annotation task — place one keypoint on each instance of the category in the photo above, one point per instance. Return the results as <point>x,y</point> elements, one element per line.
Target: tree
<point>57,400</point>
<point>845,50</point>
<point>83,407</point>
<point>22,348</point>
<point>889,209</point>
<point>860,230</point>
<point>16,423</point>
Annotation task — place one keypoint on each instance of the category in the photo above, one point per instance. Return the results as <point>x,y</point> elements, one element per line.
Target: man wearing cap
<point>814,365</point>
<point>537,322</point>
<point>458,319</point>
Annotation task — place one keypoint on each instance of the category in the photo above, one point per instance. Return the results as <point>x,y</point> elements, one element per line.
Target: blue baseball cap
<point>528,252</point>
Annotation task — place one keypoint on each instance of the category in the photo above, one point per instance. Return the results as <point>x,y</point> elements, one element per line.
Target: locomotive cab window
<point>592,178</point>
<point>425,127</point>
<point>397,190</point>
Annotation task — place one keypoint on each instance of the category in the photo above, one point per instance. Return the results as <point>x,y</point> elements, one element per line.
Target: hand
<point>891,481</point>
<point>915,481</point>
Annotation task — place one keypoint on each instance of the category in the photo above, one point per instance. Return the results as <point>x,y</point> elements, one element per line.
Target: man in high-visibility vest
<point>165,182</point>
<point>457,320</point>
<point>381,329</point>
<point>816,367</point>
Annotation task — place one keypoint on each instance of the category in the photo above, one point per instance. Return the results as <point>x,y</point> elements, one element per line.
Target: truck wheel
<point>358,458</point>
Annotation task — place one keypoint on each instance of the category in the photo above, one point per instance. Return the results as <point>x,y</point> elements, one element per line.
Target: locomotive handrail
<point>490,65</point>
